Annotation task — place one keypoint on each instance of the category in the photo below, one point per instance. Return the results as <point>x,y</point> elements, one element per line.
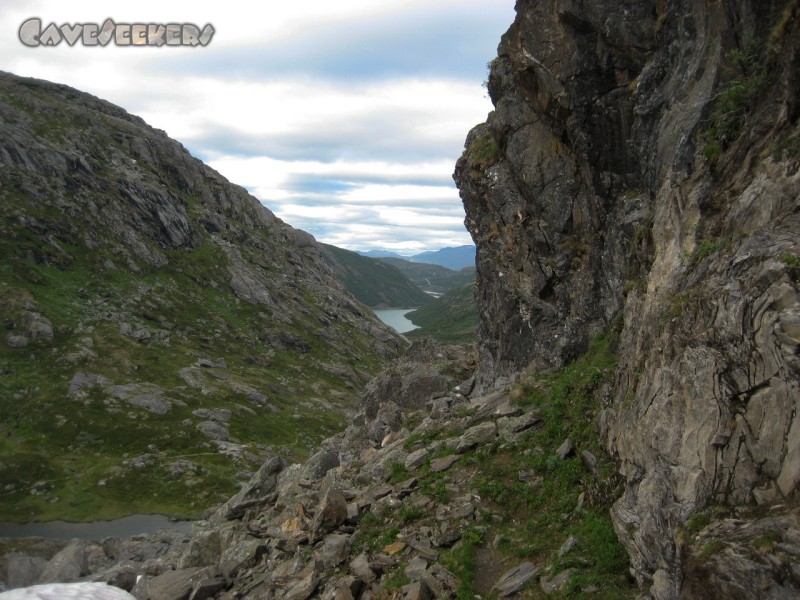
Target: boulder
<point>70,564</point>
<point>479,434</point>
<point>444,463</point>
<point>256,492</point>
<point>360,567</point>
<point>512,581</point>
<point>557,582</point>
<point>334,550</point>
<point>172,585</point>
<point>332,513</point>
<point>416,458</point>
<point>319,464</point>
<point>23,570</point>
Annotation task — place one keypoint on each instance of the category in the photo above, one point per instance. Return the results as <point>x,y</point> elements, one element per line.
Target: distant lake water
<point>97,530</point>
<point>396,318</point>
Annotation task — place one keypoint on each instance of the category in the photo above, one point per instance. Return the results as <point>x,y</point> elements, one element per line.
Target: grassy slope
<point>372,281</point>
<point>73,445</point>
<point>453,318</point>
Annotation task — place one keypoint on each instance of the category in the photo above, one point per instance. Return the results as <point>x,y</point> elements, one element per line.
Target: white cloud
<point>358,155</point>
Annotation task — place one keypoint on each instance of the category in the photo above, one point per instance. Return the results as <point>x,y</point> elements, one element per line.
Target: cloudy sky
<point>344,117</point>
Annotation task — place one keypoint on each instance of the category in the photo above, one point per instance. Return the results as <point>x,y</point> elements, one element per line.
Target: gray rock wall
<point>591,190</point>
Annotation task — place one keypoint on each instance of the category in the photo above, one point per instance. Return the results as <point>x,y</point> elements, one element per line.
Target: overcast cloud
<point>344,118</point>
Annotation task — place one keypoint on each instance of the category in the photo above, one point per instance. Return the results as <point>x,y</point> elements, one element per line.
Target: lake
<point>396,318</point>
<point>96,530</point>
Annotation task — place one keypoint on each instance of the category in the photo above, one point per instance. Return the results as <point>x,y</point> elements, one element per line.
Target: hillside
<point>452,319</point>
<point>372,281</point>
<point>163,331</point>
<point>432,278</point>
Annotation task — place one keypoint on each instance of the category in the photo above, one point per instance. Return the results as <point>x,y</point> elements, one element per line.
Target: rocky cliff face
<point>642,160</point>
<point>162,328</point>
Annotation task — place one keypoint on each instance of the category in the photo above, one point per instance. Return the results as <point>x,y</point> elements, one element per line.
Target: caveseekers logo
<point>122,34</point>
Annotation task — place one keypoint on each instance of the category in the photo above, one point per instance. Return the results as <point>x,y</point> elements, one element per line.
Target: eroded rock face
<point>594,190</point>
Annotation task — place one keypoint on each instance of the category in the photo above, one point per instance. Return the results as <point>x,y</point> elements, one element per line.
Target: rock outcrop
<point>642,160</point>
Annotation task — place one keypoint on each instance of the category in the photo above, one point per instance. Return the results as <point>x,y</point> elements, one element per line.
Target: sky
<point>345,118</point>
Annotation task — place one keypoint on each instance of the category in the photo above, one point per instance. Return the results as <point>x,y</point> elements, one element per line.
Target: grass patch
<point>676,306</point>
<point>565,398</point>
<point>538,500</point>
<point>460,560</point>
<point>746,78</point>
<point>481,154</point>
<point>708,246</point>
<point>790,260</point>
<point>391,584</point>
<point>398,472</point>
<point>452,319</point>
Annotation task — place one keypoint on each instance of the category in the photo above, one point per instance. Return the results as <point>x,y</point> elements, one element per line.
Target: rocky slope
<point>643,160</point>
<point>163,331</point>
<point>428,493</point>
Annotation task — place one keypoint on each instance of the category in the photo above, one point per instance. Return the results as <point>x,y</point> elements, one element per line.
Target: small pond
<point>96,530</point>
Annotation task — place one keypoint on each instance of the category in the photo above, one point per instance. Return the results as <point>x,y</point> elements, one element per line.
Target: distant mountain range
<point>383,254</point>
<point>455,258</point>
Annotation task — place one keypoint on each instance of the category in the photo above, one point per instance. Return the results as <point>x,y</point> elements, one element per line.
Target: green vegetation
<point>398,472</point>
<point>565,397</point>
<point>372,281</point>
<point>709,246</point>
<point>482,153</point>
<point>66,457</point>
<point>676,306</point>
<point>746,78</point>
<point>461,561</point>
<point>452,319</point>
<point>790,260</point>
<point>560,498</point>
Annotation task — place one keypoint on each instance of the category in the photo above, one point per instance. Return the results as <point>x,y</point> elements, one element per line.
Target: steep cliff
<point>163,331</point>
<point>642,159</point>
